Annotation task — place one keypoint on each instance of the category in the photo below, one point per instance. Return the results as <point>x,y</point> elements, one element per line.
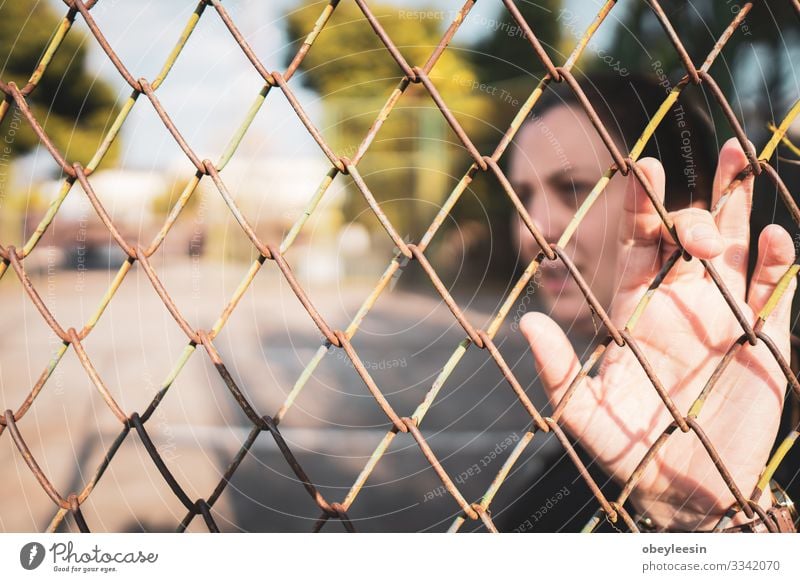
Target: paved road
<point>333,426</point>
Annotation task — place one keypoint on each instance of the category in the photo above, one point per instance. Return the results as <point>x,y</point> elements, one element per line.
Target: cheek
<point>521,238</point>
<point>599,233</point>
<point>545,213</point>
<point>518,233</point>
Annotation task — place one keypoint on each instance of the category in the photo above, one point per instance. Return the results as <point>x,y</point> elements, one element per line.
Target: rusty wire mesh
<point>611,510</point>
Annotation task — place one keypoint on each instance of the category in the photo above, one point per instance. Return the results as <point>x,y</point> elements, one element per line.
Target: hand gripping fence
<point>613,511</point>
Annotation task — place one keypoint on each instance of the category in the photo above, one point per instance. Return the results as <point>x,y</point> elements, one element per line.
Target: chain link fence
<point>405,424</point>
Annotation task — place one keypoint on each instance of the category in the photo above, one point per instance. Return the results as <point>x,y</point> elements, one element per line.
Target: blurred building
<point>272,193</point>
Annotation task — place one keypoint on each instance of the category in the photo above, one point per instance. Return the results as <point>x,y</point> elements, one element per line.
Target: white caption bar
<point>353,558</point>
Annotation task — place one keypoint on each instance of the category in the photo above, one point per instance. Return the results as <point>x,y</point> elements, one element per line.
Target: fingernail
<point>707,234</point>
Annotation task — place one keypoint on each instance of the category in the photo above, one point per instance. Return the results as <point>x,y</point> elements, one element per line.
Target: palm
<point>684,332</point>
<point>692,329</point>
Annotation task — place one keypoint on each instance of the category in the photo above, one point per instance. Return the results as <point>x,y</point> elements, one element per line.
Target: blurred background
<point>411,167</point>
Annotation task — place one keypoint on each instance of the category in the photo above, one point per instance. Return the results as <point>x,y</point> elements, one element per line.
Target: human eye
<point>574,191</point>
<point>524,192</point>
<point>582,188</point>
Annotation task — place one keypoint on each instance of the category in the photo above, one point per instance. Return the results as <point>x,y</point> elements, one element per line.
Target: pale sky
<point>212,84</point>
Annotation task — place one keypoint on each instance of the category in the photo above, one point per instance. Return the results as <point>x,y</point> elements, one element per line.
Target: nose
<point>548,218</point>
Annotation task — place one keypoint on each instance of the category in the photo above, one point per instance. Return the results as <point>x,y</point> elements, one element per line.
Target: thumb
<point>552,351</point>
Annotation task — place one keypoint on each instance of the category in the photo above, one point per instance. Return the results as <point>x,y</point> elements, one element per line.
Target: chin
<point>573,315</point>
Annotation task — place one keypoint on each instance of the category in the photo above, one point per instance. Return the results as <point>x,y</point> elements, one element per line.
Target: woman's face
<point>558,160</point>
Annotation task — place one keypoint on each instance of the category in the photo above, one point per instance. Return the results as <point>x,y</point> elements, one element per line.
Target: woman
<point>687,327</point>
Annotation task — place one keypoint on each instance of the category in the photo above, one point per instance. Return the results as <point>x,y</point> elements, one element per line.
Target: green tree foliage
<point>349,60</point>
<point>73,105</point>
<point>504,58</point>
<point>751,70</point>
<point>504,53</point>
<point>415,154</point>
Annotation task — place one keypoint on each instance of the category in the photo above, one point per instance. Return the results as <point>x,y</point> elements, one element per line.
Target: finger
<point>775,255</point>
<point>553,354</point>
<point>698,232</point>
<point>732,207</point>
<point>699,236</point>
<point>639,257</point>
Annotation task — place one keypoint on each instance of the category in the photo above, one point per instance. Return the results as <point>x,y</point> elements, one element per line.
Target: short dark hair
<point>685,141</point>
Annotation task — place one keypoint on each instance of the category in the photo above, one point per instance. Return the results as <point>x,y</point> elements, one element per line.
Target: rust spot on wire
<point>446,481</point>
<point>448,299</point>
<point>597,308</point>
<point>373,388</point>
<point>31,462</point>
<point>619,159</point>
<point>165,297</point>
<point>676,42</point>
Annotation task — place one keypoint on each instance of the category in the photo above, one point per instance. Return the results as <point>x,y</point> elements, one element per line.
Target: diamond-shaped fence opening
<point>271,254</point>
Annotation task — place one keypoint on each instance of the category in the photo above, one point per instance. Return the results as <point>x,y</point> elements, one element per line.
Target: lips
<point>557,279</point>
